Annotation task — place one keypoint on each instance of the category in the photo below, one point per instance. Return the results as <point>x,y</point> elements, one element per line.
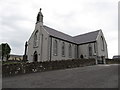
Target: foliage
<point>16,68</point>
<point>8,63</point>
<point>5,51</point>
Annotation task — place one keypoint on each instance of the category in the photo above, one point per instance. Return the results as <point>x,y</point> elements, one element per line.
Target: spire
<point>40,16</point>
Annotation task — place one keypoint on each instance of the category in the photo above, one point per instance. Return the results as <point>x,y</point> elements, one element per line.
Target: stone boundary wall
<point>25,67</point>
<point>112,61</point>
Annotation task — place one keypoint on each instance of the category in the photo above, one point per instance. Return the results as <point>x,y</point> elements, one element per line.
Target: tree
<point>5,50</point>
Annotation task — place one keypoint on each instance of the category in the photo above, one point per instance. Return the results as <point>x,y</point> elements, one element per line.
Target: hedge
<point>26,67</point>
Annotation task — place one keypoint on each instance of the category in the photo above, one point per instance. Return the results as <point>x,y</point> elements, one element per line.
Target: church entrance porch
<point>35,57</point>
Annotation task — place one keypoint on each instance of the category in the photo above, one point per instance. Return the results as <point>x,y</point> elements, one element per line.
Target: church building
<point>48,44</point>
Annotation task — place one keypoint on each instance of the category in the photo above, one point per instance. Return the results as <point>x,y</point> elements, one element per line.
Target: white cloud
<point>18,17</point>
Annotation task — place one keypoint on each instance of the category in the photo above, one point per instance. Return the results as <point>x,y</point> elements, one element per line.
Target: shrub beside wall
<point>22,68</point>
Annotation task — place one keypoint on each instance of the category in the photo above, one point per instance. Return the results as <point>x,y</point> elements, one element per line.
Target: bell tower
<point>39,17</point>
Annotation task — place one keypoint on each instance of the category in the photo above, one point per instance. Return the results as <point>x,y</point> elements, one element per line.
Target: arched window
<point>90,50</point>
<point>63,49</point>
<point>102,43</point>
<point>70,50</point>
<point>95,47</point>
<point>36,39</point>
<point>75,52</point>
<point>55,47</point>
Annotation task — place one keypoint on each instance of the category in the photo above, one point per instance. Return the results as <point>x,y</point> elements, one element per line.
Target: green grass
<point>5,63</point>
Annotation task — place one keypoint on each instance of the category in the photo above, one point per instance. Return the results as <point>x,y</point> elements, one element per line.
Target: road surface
<point>97,76</point>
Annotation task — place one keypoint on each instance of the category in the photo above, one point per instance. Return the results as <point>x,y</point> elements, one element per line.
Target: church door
<point>35,57</point>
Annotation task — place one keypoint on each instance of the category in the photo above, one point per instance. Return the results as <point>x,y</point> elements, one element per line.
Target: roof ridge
<point>86,33</point>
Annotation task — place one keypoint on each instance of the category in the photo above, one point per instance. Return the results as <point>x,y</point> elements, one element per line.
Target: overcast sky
<point>73,17</point>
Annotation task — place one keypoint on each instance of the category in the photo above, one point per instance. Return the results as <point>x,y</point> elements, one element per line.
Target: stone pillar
<point>25,55</point>
<point>96,59</point>
<point>104,61</point>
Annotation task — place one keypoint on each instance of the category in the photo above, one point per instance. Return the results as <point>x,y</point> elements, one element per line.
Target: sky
<point>73,17</point>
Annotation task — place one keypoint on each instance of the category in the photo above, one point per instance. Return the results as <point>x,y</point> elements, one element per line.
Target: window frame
<point>75,52</point>
<point>55,48</point>
<point>70,50</point>
<point>90,50</point>
<point>35,40</point>
<point>102,44</point>
<point>63,49</point>
<point>95,50</point>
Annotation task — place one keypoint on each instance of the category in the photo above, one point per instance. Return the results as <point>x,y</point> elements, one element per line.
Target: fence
<point>22,68</point>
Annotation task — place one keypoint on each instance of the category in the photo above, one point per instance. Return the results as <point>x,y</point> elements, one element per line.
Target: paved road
<point>97,76</point>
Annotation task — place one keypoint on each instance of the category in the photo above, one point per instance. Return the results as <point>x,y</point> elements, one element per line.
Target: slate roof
<point>80,39</point>
<point>85,38</point>
<point>59,34</point>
